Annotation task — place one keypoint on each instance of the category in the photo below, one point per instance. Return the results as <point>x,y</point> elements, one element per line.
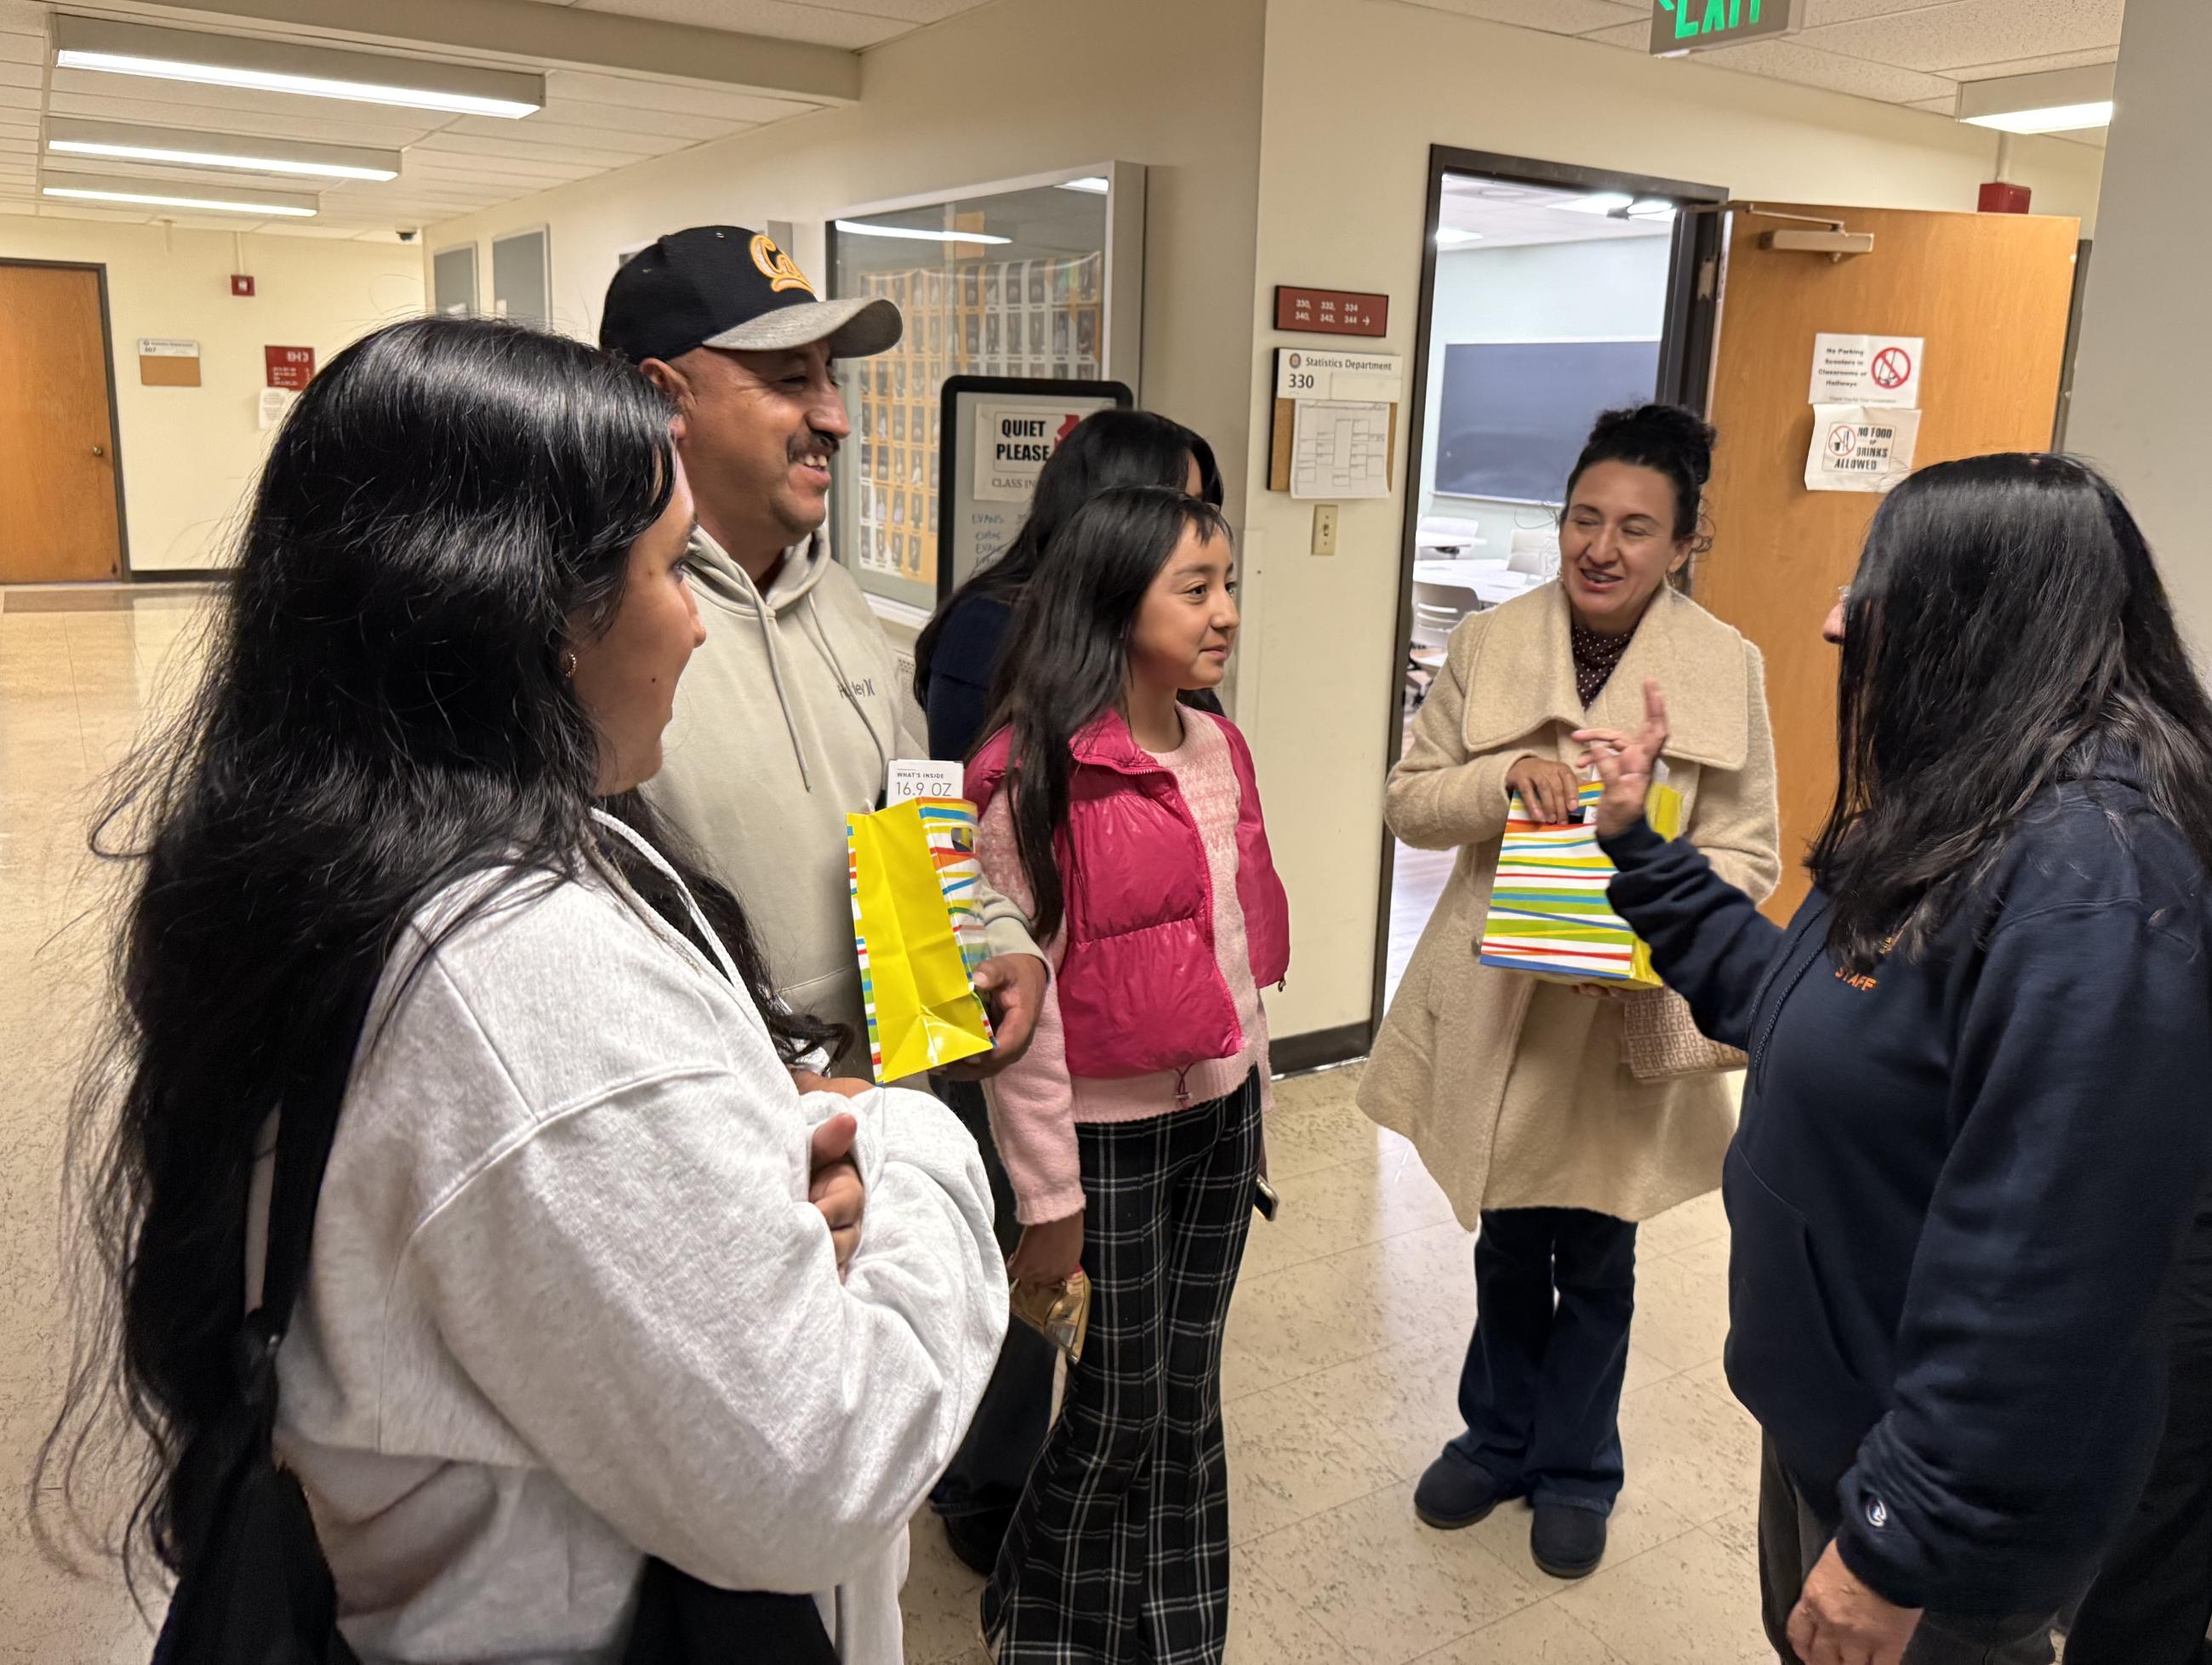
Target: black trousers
<point>1119,1550</point>
<point>1555,1290</point>
<point>992,1465</point>
<point>2153,1602</point>
<point>1794,1532</point>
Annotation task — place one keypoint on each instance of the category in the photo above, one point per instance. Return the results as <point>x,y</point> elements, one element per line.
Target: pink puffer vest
<point>1140,989</point>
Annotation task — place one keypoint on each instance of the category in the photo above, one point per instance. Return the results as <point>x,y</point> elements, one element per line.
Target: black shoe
<point>975,1538</point>
<point>1567,1542</point>
<point>1455,1491</point>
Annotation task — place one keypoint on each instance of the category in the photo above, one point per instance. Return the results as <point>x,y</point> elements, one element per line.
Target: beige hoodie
<point>787,719</point>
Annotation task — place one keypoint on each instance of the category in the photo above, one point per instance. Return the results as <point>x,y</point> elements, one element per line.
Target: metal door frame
<point>1686,334</point>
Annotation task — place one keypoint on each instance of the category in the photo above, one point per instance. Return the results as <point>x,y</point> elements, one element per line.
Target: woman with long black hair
<point>958,653</point>
<point>590,1278</point>
<point>1975,1126</point>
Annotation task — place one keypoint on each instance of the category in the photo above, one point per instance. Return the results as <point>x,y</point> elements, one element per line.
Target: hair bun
<point>1663,429</point>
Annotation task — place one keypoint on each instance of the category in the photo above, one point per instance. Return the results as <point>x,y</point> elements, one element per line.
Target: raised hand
<point>1625,763</point>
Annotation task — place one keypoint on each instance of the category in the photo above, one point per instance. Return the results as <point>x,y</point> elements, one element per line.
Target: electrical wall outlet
<point>1324,536</point>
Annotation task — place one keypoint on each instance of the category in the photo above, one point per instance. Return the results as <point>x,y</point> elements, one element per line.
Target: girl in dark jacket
<point>1974,1125</point>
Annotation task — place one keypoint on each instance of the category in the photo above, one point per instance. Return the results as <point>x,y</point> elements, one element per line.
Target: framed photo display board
<point>998,431</point>
<point>1035,281</point>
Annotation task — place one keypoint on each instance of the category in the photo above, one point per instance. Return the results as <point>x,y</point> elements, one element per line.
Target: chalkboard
<point>1515,414</point>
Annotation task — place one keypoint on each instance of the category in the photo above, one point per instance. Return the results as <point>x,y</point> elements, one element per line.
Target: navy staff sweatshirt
<point>1957,1189</point>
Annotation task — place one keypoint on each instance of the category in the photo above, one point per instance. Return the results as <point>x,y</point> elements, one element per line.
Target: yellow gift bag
<point>1548,912</point>
<point>914,871</point>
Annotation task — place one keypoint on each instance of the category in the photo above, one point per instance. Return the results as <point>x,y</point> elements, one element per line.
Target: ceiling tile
<point>1945,37</point>
<point>527,174</point>
<point>22,48</point>
<point>670,124</point>
<point>2027,66</point>
<point>23,16</point>
<point>524,149</point>
<point>1817,13</point>
<point>1637,37</point>
<point>1791,60</point>
<point>19,98</point>
<point>33,74</point>
<point>683,97</point>
<point>783,19</point>
<point>1558,18</point>
<point>537,130</point>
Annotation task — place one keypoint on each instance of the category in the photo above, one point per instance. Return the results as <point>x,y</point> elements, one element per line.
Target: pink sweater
<point>1036,1104</point>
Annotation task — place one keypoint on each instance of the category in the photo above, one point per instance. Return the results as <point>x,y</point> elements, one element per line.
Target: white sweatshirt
<point>569,1304</point>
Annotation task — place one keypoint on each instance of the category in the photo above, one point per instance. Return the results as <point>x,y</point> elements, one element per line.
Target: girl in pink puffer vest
<point>1128,826</point>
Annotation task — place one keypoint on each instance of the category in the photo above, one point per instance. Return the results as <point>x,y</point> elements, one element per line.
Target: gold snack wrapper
<point>1060,1312</point>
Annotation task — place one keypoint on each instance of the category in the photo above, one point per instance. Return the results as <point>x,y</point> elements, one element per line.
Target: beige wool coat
<point>1516,1092</point>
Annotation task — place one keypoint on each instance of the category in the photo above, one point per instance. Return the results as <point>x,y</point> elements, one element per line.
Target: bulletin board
<point>985,495</point>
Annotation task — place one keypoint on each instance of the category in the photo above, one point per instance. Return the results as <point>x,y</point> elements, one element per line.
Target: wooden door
<point>1992,295</point>
<point>58,513</point>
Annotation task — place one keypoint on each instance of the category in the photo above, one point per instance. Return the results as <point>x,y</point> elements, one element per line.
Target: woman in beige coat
<point>1515,1091</point>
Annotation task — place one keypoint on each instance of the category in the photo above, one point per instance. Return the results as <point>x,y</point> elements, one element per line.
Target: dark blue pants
<point>991,1467</point>
<point>1555,1289</point>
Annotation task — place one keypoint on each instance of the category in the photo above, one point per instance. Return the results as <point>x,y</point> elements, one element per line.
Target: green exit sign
<point>1693,26</point>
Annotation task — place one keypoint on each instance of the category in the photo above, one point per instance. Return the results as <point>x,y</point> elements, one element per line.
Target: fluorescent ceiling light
<point>2054,119</point>
<point>1452,236</point>
<point>1651,208</point>
<point>1602,202</point>
<point>862,228</point>
<point>1096,185</point>
<point>188,148</point>
<point>2050,101</point>
<point>269,204</point>
<point>282,66</point>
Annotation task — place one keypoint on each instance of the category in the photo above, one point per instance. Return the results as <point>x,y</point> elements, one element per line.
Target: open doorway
<point>1550,294</point>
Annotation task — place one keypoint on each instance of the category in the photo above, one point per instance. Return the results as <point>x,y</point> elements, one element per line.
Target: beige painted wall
<point>190,453</point>
<point>1356,91</point>
<point>1015,89</point>
<point>1321,183</point>
<point>2143,358</point>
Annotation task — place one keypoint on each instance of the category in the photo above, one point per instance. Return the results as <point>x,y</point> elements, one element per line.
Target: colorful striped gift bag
<point>913,871</point>
<point>1548,912</point>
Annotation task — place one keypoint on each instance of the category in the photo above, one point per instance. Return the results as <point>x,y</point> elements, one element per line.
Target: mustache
<point>828,444</point>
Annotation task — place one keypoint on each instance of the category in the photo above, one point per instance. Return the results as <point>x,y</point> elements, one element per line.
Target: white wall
<point>1356,91</point>
<point>2145,356</point>
<point>1544,292</point>
<point>189,455</point>
<point>1015,89</point>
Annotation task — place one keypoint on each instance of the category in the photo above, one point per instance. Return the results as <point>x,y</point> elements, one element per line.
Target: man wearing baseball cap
<point>792,714</point>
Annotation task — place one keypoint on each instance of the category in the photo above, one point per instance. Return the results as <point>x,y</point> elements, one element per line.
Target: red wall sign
<point>289,367</point>
<point>241,283</point>
<point>1331,311</point>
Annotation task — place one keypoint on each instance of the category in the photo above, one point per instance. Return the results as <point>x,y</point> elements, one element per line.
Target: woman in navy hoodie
<point>1975,1122</point>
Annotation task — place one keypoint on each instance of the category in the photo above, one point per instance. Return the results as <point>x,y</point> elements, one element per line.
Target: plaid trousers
<point>1119,1548</point>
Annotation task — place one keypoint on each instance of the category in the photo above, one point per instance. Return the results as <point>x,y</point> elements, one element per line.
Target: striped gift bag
<point>1548,912</point>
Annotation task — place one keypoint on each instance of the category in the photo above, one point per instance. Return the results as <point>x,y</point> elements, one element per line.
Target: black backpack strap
<point>307,1127</point>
